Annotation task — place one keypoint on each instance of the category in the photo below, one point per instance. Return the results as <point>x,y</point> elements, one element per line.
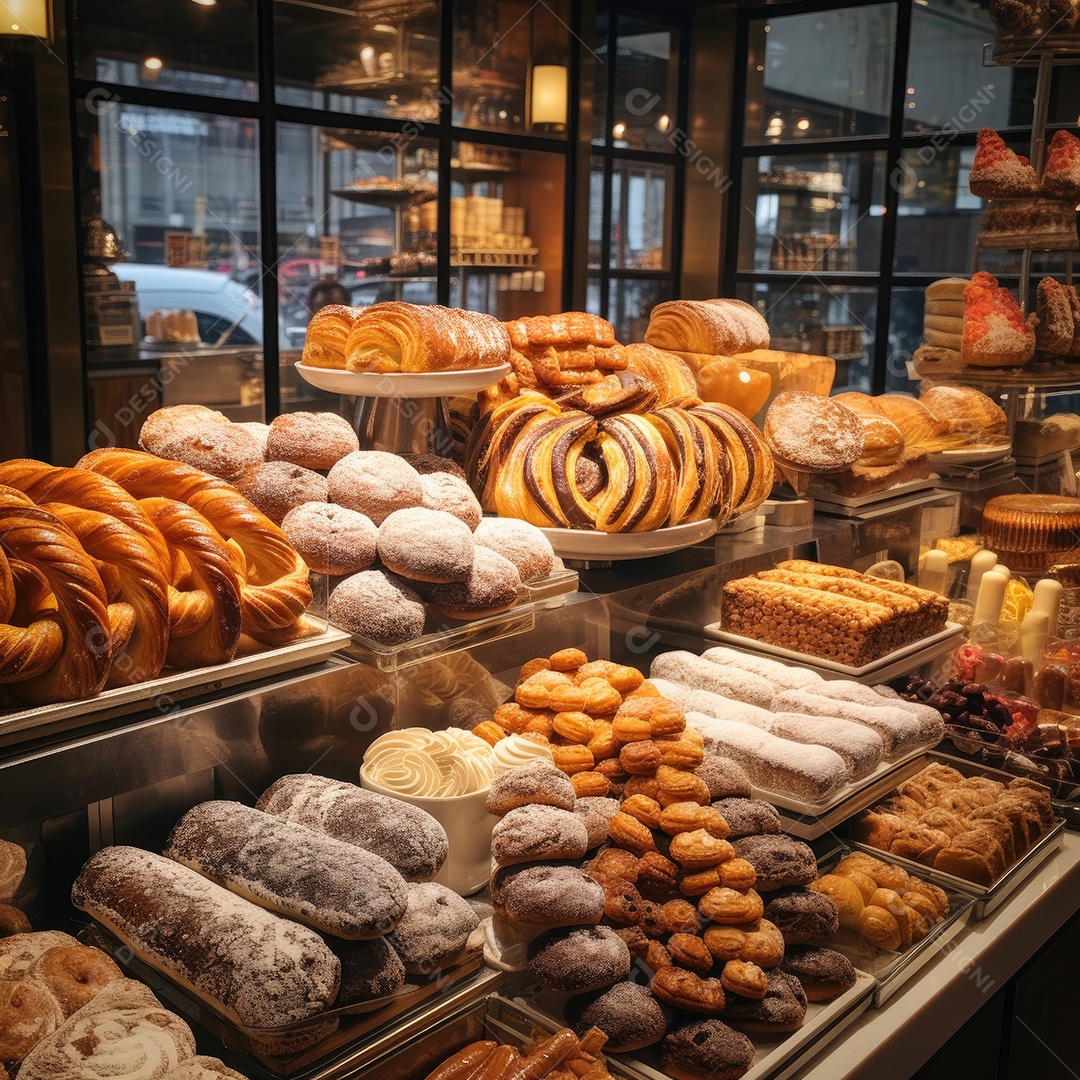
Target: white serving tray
<point>402,384</point>
<point>589,545</point>
<point>897,662</point>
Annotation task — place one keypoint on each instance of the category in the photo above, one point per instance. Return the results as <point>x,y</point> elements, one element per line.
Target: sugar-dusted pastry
<point>812,433</point>
<point>996,333</point>
<point>999,173</point>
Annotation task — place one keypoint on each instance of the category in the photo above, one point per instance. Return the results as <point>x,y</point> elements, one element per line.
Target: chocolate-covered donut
<point>626,1012</point>
<point>803,915</point>
<point>585,958</point>
<point>707,1050</point>
<point>778,860</point>
<point>783,1008</point>
<point>748,817</point>
<point>824,973</point>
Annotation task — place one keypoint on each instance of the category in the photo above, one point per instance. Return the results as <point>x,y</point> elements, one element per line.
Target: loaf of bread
<point>407,837</point>
<point>720,327</point>
<point>259,970</point>
<point>123,1032</point>
<point>337,888</point>
<point>970,415</point>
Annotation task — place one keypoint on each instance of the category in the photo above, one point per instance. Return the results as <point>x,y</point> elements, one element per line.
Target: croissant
<point>720,327</point>
<point>670,374</point>
<point>396,336</point>
<point>275,590</point>
<point>327,333</point>
<point>35,537</point>
<point>204,605</point>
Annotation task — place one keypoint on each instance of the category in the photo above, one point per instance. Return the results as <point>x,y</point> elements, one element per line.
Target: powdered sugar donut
<point>375,483</point>
<point>315,440</point>
<point>224,450</point>
<point>374,605</point>
<point>492,585</point>
<point>331,539</point>
<point>434,929</point>
<point>426,545</point>
<point>575,961</point>
<point>520,542</point>
<point>442,491</point>
<point>275,487</point>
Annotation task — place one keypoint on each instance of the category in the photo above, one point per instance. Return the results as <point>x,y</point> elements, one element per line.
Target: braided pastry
<point>274,579</point>
<point>30,637</point>
<point>641,477</point>
<point>702,490</point>
<point>204,600</point>
<point>30,535</point>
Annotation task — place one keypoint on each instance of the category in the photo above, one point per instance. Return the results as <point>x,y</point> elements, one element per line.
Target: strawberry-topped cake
<point>997,172</point>
<point>996,333</point>
<point>1061,177</point>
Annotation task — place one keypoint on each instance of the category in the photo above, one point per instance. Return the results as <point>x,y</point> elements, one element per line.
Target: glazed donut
<point>276,487</point>
<point>312,440</point>
<point>275,590</point>
<point>204,606</point>
<point>141,555</point>
<point>28,1012</point>
<point>79,665</point>
<point>578,960</point>
<point>75,974</point>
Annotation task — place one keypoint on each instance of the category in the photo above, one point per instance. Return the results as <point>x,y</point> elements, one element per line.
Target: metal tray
<point>987,897</point>
<point>252,661</point>
<point>891,969</point>
<point>833,502</point>
<point>777,1055</point>
<point>551,592</point>
<point>334,1056</point>
<point>898,662</point>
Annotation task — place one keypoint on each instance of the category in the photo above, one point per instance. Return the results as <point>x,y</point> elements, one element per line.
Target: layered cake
<point>1057,325</point>
<point>1047,224</point>
<point>1031,532</point>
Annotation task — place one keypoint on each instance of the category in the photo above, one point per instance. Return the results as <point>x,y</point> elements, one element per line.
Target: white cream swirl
<point>517,750</point>
<point>416,761</point>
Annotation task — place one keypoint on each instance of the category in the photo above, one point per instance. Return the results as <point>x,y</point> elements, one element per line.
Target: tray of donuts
<point>886,921</point>
<point>963,826</point>
<point>292,929</point>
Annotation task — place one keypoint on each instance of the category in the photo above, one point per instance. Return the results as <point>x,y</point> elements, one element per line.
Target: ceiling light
<point>663,123</point>
<point>153,63</point>
<point>803,124</point>
<point>619,130</point>
<point>205,3</point>
<point>28,18</point>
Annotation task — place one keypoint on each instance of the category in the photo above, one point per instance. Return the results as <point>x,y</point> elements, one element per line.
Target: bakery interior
<point>541,539</point>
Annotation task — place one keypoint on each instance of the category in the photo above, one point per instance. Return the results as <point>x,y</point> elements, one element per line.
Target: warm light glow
<point>153,63</point>
<point>618,131</point>
<point>29,18</point>
<point>775,128</point>
<point>744,376</point>
<point>803,124</point>
<point>663,123</point>
<point>549,96</point>
<point>205,3</point>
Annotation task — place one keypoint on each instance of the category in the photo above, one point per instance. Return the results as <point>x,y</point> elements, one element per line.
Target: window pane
<point>641,216</point>
<point>835,321</point>
<point>188,47</point>
<point>906,310</point>
<point>506,230</point>
<point>947,86</point>
<point>812,214</point>
<point>826,74</point>
<point>511,66</point>
<point>597,240</point>
<point>378,58</point>
<point>629,304</point>
<point>646,69</point>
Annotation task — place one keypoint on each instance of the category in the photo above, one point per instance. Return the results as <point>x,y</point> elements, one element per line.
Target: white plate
<point>937,644</point>
<point>600,546</point>
<point>402,384</point>
<point>981,454</point>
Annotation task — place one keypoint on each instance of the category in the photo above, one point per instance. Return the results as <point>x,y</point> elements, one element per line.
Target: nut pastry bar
<point>396,336</point>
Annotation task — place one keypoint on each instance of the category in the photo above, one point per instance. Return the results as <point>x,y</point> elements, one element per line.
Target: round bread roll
<point>492,585</point>
<point>28,1012</point>
<point>813,433</point>
<point>426,545</point>
<point>626,1012</point>
<point>707,1050</point>
<point>369,969</point>
<point>75,974</point>
<point>375,483</point>
<point>165,426</point>
<point>276,487</point>
<point>257,428</point>
<point>576,961</point>
<point>19,952</point>
<point>377,606</point>
<point>13,920</point>
<point>434,929</point>
<point>202,1067</point>
<point>534,833</point>
<point>223,450</point>
<point>315,440</point>
<point>331,539</point>
<point>523,544</point>
<point>444,491</point>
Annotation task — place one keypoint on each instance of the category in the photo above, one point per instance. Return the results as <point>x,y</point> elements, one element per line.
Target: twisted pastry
<point>204,602</point>
<point>670,374</point>
<point>702,488</point>
<point>752,462</point>
<point>30,535</point>
<point>30,636</point>
<point>136,583</point>
<point>640,476</point>
<point>274,579</point>
<point>623,391</point>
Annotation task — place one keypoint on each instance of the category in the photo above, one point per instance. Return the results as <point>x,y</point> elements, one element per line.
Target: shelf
<point>388,197</point>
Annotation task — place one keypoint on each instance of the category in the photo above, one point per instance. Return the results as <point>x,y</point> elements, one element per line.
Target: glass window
<point>641,216</point>
<point>836,321</point>
<point>195,48</point>
<point>597,244</point>
<point>822,75</point>
<point>646,69</point>
<point>506,230</point>
<point>906,311</point>
<point>812,213</point>
<point>511,66</point>
<point>378,58</point>
<point>629,305</point>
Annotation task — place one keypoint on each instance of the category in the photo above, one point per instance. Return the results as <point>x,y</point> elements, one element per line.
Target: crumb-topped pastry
<point>995,331</point>
<point>1061,176</point>
<point>999,173</point>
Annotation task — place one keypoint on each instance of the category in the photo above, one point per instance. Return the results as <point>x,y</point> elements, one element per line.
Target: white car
<point>219,302</point>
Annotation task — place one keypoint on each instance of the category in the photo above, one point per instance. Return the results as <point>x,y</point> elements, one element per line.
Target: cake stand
<point>403,412</point>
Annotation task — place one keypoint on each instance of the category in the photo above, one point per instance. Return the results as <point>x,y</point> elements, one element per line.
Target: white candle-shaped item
<point>981,561</point>
<point>1001,568</point>
<point>1034,635</point>
<point>932,572</point>
<point>991,595</point>
<point>1048,599</point>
